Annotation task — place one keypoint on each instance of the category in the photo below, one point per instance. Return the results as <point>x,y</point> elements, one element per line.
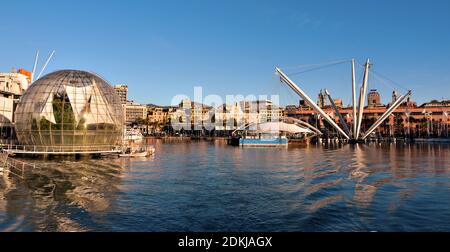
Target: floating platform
<point>273,142</point>
<point>432,140</point>
<point>60,150</point>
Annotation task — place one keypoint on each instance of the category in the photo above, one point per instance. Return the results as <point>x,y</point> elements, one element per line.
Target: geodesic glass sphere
<point>69,108</point>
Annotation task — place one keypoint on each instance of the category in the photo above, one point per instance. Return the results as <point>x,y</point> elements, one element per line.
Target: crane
<point>358,107</point>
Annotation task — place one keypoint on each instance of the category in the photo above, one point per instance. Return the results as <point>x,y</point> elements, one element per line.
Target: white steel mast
<point>311,103</point>
<point>362,100</point>
<point>336,109</point>
<point>354,98</point>
<point>46,63</point>
<point>34,66</point>
<point>386,114</point>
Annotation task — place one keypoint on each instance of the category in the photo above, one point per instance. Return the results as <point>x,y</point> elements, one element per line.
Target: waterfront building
<point>229,117</point>
<point>190,116</point>
<point>69,111</point>
<point>303,104</point>
<point>135,113</point>
<point>427,120</point>
<point>261,111</point>
<point>15,82</point>
<point>158,118</point>
<point>374,99</point>
<point>322,99</point>
<point>338,102</point>
<point>122,91</point>
<point>12,86</point>
<point>436,104</point>
<point>394,96</point>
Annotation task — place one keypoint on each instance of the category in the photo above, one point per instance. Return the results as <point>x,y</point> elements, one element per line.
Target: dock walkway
<point>60,150</point>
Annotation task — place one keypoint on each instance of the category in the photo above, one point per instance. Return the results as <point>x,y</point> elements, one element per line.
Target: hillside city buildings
<point>427,120</point>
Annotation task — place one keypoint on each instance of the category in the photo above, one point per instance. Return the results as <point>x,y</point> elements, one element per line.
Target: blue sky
<point>164,48</point>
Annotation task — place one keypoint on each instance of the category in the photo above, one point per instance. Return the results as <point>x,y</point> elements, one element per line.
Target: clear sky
<point>164,48</point>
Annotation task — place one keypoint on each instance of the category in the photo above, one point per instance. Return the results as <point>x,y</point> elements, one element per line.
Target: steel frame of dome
<point>69,112</point>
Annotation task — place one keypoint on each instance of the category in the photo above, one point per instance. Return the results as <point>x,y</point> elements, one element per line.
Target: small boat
<point>138,152</point>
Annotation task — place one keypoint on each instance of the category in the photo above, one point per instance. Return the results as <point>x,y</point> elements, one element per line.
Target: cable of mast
<point>313,67</point>
<point>320,67</point>
<point>385,80</point>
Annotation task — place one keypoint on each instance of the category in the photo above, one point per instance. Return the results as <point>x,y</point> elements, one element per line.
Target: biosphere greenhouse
<point>69,111</point>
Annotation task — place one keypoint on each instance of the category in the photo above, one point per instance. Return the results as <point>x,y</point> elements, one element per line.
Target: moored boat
<point>268,141</point>
<point>143,151</point>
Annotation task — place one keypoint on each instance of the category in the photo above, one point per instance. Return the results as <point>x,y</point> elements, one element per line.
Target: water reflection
<point>209,186</point>
<point>54,194</point>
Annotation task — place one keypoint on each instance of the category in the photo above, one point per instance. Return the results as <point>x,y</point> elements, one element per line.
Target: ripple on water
<point>201,186</point>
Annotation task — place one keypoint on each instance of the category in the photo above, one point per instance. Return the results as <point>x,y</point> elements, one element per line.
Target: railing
<point>8,141</point>
<point>60,149</point>
<point>17,167</point>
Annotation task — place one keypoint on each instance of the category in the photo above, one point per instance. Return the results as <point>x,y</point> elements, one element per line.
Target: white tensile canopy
<point>87,102</point>
<point>96,108</point>
<point>47,110</point>
<point>78,97</point>
<point>277,127</point>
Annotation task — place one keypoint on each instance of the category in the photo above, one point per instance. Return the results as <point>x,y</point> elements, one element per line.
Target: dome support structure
<point>69,112</point>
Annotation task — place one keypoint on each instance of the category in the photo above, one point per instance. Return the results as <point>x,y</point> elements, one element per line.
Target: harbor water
<point>210,186</point>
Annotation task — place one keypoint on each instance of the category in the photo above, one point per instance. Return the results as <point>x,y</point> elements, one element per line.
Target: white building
<point>232,116</point>
<point>134,111</point>
<point>12,86</point>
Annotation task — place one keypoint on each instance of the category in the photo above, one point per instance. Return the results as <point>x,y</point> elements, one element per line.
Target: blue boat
<point>264,142</point>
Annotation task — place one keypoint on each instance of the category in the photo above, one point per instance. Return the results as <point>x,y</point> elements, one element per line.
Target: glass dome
<point>71,109</point>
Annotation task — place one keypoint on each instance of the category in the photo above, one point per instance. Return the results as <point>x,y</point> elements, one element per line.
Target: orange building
<point>26,73</point>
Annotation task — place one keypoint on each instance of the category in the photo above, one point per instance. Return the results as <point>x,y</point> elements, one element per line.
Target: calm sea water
<point>209,186</point>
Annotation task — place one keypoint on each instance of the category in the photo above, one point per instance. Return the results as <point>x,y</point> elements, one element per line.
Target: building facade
<point>191,116</point>
<point>374,99</point>
<point>134,113</point>
<point>229,117</point>
<point>122,91</point>
<point>159,118</point>
<point>428,120</point>
<point>12,87</point>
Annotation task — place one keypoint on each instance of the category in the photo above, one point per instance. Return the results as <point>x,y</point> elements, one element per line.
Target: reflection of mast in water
<point>358,159</point>
<point>318,180</point>
<point>364,193</point>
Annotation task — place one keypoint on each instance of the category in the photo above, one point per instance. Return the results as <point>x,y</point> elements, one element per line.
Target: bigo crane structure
<point>354,135</point>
